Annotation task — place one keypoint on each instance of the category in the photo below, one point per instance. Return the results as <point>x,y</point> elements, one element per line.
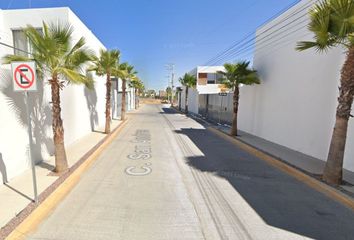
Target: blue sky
<point>152,33</point>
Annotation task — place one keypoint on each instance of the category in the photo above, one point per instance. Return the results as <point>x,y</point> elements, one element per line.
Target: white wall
<point>296,102</point>
<point>82,109</point>
<point>193,99</point>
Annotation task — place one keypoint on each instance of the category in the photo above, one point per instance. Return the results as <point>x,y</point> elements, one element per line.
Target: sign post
<point>24,80</point>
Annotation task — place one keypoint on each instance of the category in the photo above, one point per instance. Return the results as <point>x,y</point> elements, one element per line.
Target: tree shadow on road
<point>279,199</point>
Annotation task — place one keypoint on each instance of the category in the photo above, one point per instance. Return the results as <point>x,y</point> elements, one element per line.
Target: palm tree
<point>332,22</point>
<point>104,65</point>
<point>188,81</point>
<point>233,76</point>
<point>138,85</point>
<point>125,72</point>
<point>56,57</point>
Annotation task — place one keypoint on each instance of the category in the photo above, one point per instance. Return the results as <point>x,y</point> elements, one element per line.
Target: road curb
<point>48,205</point>
<point>299,175</point>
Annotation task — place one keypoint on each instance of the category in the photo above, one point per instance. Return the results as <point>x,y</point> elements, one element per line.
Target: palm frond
<point>332,22</point>
<point>75,77</point>
<point>188,80</point>
<point>238,73</point>
<point>79,44</point>
<point>342,17</point>
<point>76,59</point>
<point>7,59</point>
<point>106,62</point>
<point>250,78</point>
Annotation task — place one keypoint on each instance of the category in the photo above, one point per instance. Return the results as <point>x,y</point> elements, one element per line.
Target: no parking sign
<point>24,76</point>
<point>24,80</point>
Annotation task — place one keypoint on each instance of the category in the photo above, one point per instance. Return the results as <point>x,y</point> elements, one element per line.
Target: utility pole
<point>172,86</point>
<point>170,67</point>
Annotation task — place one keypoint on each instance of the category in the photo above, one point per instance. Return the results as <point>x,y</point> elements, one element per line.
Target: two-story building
<point>208,82</point>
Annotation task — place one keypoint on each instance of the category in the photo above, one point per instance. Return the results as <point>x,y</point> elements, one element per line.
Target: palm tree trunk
<point>186,101</point>
<point>179,101</point>
<point>123,98</point>
<point>334,166</point>
<point>136,98</point>
<point>61,163</point>
<point>234,116</point>
<point>108,104</point>
<point>171,97</point>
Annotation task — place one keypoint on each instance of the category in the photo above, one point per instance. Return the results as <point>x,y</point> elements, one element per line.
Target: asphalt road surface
<point>166,177</point>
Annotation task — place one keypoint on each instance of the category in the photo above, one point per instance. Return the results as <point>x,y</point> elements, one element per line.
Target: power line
<point>272,42</point>
<point>250,43</point>
<point>271,50</point>
<point>264,39</point>
<point>231,50</point>
<point>18,49</point>
<point>251,33</point>
<point>248,48</point>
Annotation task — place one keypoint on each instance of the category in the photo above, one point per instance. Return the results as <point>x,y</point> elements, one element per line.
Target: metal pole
<point>172,79</point>
<point>33,165</point>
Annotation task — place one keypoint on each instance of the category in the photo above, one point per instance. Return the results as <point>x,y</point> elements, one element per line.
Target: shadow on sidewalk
<point>3,170</point>
<point>169,111</point>
<point>18,192</point>
<point>279,199</point>
<point>46,165</point>
<point>41,120</point>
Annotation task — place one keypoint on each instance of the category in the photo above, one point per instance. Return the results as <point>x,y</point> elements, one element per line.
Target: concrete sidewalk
<point>306,163</point>
<point>18,193</point>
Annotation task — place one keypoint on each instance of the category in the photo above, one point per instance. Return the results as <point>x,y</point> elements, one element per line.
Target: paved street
<point>166,177</point>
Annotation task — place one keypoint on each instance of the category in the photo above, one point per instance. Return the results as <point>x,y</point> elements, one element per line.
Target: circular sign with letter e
<point>24,76</point>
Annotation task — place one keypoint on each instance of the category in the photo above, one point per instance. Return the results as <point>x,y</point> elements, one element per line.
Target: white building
<point>208,79</point>
<point>82,109</point>
<point>295,104</point>
<point>207,83</point>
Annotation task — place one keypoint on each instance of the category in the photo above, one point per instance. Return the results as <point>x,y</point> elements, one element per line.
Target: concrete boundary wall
<point>193,99</point>
<point>296,103</point>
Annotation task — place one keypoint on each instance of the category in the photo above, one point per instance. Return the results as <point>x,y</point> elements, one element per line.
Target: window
<point>21,43</point>
<point>211,78</point>
<point>219,77</point>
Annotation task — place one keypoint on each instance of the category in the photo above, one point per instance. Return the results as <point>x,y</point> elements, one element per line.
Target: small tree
<point>138,86</point>
<point>125,72</point>
<point>233,76</point>
<point>62,61</point>
<point>332,22</point>
<point>188,81</point>
<point>103,65</point>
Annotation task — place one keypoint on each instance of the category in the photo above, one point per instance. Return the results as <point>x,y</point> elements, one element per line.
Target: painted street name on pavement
<point>141,153</point>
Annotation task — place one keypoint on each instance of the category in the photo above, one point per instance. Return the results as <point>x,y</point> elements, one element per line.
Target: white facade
<point>295,103</point>
<point>207,83</point>
<point>117,98</point>
<point>193,99</point>
<point>203,83</point>
<point>82,109</point>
